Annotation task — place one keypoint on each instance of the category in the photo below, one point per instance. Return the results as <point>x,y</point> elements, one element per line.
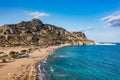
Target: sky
<point>98,19</point>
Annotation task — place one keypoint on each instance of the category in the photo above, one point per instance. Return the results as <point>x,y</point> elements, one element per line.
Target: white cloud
<point>90,28</point>
<point>113,20</point>
<point>87,29</point>
<point>37,14</point>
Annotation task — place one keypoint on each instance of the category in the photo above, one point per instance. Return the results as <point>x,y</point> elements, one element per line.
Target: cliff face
<point>35,33</point>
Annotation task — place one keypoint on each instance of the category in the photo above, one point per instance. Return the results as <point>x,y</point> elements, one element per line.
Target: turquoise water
<point>83,63</point>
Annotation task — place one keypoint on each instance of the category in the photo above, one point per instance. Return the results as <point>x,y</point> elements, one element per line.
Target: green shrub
<point>1,52</point>
<point>13,54</point>
<point>4,60</point>
<point>23,51</point>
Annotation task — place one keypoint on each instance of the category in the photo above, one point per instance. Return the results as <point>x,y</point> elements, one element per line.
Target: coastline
<point>26,68</point>
<point>50,51</point>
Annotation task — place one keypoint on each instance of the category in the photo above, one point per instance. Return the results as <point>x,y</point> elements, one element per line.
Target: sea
<point>89,62</point>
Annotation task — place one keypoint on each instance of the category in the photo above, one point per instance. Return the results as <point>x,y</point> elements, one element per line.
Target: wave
<point>61,75</point>
<point>44,61</point>
<point>41,75</point>
<point>62,56</point>
<point>51,69</point>
<point>107,44</point>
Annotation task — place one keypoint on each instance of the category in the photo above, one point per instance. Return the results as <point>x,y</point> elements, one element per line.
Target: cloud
<point>91,28</point>
<point>113,20</point>
<point>37,14</point>
<point>87,29</point>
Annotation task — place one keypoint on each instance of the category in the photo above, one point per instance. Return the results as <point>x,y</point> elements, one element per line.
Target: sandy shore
<point>24,68</point>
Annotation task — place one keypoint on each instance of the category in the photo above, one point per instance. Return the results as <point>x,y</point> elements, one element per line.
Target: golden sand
<point>20,69</point>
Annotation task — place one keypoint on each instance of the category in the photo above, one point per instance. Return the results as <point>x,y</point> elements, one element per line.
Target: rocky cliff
<point>35,33</point>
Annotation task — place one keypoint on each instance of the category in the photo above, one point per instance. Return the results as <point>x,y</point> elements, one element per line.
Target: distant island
<point>35,33</point>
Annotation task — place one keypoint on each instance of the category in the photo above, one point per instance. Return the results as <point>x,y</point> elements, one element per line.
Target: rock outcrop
<point>35,33</point>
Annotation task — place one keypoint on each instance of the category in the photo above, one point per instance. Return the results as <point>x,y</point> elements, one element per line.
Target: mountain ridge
<point>35,33</point>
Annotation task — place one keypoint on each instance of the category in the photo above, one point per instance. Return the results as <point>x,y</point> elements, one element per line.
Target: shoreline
<point>27,67</point>
<point>49,54</point>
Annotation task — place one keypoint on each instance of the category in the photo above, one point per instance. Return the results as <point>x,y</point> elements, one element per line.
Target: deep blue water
<point>83,63</point>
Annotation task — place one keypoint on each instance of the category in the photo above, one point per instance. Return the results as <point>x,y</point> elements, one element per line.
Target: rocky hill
<point>35,33</point>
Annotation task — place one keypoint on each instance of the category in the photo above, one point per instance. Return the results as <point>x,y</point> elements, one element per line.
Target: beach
<point>24,68</point>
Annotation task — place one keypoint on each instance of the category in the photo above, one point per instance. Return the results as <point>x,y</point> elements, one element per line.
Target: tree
<point>13,54</point>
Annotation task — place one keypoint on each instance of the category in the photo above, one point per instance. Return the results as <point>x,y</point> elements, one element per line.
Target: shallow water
<point>83,63</point>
